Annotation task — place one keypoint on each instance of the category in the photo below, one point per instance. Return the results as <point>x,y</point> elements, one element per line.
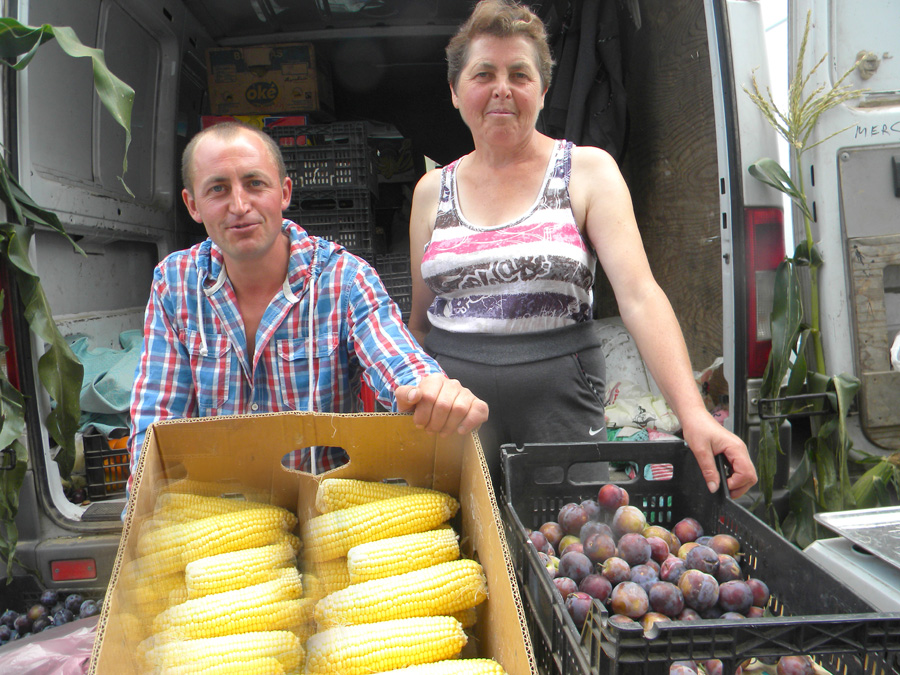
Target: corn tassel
<point>398,555</point>
<point>433,591</point>
<point>238,569</point>
<point>334,494</point>
<point>195,655</point>
<point>452,667</point>
<point>331,535</point>
<point>269,606</point>
<point>372,648</point>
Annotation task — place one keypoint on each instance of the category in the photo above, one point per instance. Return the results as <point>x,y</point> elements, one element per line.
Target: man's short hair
<point>227,131</point>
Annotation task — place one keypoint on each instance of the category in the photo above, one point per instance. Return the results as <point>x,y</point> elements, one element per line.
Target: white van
<point>667,97</point>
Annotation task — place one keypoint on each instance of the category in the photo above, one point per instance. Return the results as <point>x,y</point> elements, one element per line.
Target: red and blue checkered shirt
<point>359,334</point>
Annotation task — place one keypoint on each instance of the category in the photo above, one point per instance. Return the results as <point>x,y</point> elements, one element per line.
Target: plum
<point>628,519</point>
<point>714,667</point>
<point>62,616</point>
<point>666,598</point>
<point>611,497</point>
<point>37,611</point>
<point>728,569</point>
<point>671,569</point>
<point>714,612</point>
<point>88,608</point>
<point>760,592</point>
<point>630,599</point>
<point>565,586</point>
<point>540,542</point>
<point>702,558</point>
<point>592,508</point>
<point>623,621</point>
<point>666,535</point>
<point>599,547</point>
<point>73,602</point>
<point>644,575</point>
<point>651,618</point>
<point>634,548</point>
<point>688,614</point>
<point>41,624</point>
<point>596,585</point>
<point>756,612</point>
<point>685,548</point>
<point>616,570</point>
<point>572,517</point>
<point>553,531</point>
<point>732,616</point>
<point>687,529</point>
<point>22,624</point>
<point>795,665</point>
<point>575,565</point>
<point>655,565</point>
<point>659,548</point>
<point>578,605</point>
<point>8,617</point>
<point>735,596</point>
<point>700,590</point>
<point>5,633</point>
<point>49,598</point>
<point>725,543</point>
<point>593,527</point>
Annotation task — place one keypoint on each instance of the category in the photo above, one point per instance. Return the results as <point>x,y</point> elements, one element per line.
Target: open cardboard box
<point>381,446</point>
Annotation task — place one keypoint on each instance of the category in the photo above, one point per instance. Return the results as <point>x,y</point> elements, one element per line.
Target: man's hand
<point>441,405</point>
<point>707,438</point>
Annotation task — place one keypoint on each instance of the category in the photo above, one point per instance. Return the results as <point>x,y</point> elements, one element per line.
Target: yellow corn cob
<point>328,576</point>
<point>453,667</point>
<point>331,535</point>
<point>210,489</point>
<point>334,494</point>
<point>271,605</point>
<point>266,665</point>
<point>467,617</point>
<point>398,555</point>
<point>441,589</point>
<point>182,508</point>
<point>194,655</point>
<point>371,648</point>
<point>172,548</point>
<point>292,539</point>
<point>237,569</point>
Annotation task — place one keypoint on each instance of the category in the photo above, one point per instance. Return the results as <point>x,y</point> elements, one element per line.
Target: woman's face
<point>499,93</point>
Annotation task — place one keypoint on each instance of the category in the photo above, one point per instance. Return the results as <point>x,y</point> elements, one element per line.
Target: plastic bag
<point>63,650</point>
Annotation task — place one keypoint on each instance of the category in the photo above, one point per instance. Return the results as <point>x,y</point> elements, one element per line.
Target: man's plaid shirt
<point>358,334</point>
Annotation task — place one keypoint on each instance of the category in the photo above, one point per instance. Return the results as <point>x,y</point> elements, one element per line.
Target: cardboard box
<point>380,446</point>
<point>278,78</point>
<point>258,121</point>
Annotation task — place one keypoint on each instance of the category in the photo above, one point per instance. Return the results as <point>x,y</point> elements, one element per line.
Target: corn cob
<point>327,576</point>
<point>398,555</point>
<point>266,665</point>
<point>178,507</point>
<point>371,648</point>
<point>442,589</point>
<point>211,489</point>
<point>170,549</point>
<point>334,494</point>
<point>467,617</point>
<point>331,535</point>
<point>228,571</point>
<point>271,605</point>
<point>452,667</point>
<point>194,655</point>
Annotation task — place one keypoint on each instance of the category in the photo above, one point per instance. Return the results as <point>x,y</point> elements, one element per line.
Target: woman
<point>504,244</point>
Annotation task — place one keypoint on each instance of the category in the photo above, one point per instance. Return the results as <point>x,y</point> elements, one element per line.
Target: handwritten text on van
<point>877,130</point>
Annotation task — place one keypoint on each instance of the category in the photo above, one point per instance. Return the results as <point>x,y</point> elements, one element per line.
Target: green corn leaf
<point>10,483</point>
<point>769,171</point>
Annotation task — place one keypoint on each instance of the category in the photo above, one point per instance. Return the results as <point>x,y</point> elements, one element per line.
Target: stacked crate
<point>394,270</point>
<point>334,182</point>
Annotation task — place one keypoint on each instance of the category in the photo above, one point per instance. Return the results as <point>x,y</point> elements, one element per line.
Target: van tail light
<point>765,251</point>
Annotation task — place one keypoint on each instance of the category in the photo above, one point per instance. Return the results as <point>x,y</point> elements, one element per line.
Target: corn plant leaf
<point>10,483</point>
<point>805,254</point>
<point>12,413</point>
<point>117,97</point>
<point>769,171</point>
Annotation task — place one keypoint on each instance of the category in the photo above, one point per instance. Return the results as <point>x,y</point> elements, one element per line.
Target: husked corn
<point>266,665</point>
<point>210,489</point>
<point>195,655</point>
<point>334,494</point>
<point>271,605</point>
<point>331,535</point>
<point>237,569</point>
<point>439,590</point>
<point>452,667</point>
<point>181,508</point>
<point>328,576</point>
<point>372,648</point>
<point>398,555</point>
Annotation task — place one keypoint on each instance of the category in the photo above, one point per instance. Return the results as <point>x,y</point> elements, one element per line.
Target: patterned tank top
<point>534,273</point>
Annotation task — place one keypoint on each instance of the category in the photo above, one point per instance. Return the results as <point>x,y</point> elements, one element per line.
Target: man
<point>228,322</point>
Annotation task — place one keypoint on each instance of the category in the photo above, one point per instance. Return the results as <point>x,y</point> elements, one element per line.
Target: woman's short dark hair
<point>228,131</point>
<point>500,18</point>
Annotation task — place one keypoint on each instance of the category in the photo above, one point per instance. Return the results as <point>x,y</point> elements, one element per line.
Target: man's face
<point>238,196</point>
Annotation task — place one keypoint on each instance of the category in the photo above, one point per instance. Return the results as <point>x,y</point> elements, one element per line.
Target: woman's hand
<point>441,405</point>
<point>707,438</point>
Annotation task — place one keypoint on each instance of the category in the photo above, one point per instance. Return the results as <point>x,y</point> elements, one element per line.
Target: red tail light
<point>765,251</point>
<point>8,360</point>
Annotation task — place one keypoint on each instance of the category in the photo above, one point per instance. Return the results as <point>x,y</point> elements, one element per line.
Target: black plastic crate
<point>334,156</point>
<point>343,216</point>
<point>106,468</point>
<point>813,612</point>
<point>394,270</point>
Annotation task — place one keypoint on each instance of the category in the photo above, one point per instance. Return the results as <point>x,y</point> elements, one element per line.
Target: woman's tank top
<point>532,274</point>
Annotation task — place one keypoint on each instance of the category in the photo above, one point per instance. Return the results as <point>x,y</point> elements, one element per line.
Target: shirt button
<point>254,407</point>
